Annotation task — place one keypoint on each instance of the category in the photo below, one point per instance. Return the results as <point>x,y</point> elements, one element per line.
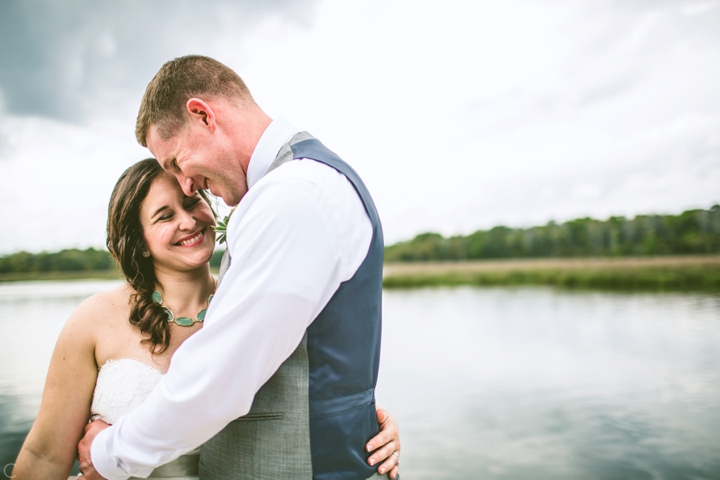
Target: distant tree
<point>64,260</point>
<point>691,232</point>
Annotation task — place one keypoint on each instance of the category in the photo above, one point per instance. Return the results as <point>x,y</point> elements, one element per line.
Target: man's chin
<point>229,201</point>
<point>232,199</point>
<point>225,198</point>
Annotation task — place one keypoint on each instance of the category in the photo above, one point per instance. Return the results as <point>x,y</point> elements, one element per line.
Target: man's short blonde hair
<point>179,80</point>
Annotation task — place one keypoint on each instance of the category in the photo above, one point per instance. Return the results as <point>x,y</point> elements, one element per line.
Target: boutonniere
<point>221,228</point>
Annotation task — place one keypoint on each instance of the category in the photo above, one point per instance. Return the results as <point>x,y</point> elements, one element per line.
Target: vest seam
<point>344,412</point>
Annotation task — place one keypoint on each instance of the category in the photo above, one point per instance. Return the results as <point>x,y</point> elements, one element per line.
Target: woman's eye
<point>166,217</point>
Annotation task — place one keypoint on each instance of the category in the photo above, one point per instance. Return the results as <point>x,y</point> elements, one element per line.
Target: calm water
<point>499,383</point>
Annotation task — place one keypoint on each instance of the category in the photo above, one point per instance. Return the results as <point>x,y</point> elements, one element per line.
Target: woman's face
<point>178,229</point>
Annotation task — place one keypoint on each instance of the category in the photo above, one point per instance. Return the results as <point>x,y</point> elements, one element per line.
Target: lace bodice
<point>121,386</point>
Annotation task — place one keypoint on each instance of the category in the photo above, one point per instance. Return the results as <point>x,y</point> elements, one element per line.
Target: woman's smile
<point>172,220</point>
<point>192,239</point>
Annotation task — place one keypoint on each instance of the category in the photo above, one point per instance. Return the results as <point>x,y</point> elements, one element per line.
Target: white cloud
<point>57,179</point>
<point>459,116</point>
<point>693,9</point>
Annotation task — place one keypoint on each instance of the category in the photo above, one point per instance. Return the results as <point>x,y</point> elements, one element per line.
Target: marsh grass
<point>113,273</point>
<point>638,273</point>
<point>696,272</point>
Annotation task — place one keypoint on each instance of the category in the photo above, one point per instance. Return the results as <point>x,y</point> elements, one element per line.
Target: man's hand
<point>86,466</point>
<point>385,445</point>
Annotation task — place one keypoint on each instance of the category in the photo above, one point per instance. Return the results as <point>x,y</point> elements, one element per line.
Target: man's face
<point>200,158</point>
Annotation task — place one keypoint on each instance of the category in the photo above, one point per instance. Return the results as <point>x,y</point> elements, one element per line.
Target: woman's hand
<point>385,445</point>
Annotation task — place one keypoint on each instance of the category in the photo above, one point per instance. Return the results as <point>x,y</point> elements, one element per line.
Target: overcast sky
<point>459,115</point>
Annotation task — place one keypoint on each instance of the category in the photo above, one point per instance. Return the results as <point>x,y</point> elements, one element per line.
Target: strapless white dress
<point>121,386</point>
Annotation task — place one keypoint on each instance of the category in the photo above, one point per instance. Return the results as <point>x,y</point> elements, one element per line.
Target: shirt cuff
<point>102,460</point>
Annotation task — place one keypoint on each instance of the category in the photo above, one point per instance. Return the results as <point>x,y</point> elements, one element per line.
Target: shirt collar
<point>277,134</point>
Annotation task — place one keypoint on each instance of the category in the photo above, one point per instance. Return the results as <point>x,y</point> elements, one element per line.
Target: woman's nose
<point>187,221</point>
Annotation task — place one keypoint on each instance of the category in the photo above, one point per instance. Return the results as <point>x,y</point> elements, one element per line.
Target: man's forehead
<point>162,149</point>
<point>152,138</point>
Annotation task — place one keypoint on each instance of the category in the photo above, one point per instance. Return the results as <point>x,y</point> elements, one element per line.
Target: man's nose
<point>187,185</point>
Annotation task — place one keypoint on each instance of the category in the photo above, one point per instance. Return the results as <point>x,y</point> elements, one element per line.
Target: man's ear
<point>201,112</point>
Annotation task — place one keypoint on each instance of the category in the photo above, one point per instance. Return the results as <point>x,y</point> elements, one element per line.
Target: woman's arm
<point>385,445</point>
<point>51,446</point>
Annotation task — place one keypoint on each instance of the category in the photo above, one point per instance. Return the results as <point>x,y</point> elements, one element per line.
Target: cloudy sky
<point>459,115</point>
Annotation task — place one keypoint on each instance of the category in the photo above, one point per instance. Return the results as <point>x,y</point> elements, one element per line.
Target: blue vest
<point>343,345</point>
<point>313,417</point>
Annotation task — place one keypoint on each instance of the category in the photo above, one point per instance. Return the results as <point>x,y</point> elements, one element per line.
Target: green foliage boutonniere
<point>221,228</point>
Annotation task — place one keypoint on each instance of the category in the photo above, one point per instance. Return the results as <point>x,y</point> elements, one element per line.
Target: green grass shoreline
<point>693,273</point>
<point>677,273</point>
<point>113,274</point>
<point>61,275</point>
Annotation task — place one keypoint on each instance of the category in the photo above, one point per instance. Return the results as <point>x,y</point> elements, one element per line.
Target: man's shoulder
<point>303,188</point>
<point>301,169</point>
<point>303,177</point>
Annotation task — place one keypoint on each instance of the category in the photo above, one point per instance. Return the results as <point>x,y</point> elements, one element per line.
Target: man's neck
<point>247,128</point>
<point>275,135</point>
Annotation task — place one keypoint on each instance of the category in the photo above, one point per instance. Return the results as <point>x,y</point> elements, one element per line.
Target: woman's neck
<point>186,290</point>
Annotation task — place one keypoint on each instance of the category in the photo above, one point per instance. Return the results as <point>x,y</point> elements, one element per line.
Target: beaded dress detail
<point>121,386</point>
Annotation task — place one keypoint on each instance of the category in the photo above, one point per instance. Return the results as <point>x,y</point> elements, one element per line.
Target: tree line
<point>62,261</point>
<point>691,232</point>
<point>68,260</point>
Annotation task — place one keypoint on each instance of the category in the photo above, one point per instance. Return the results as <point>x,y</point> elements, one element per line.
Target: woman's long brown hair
<point>126,243</point>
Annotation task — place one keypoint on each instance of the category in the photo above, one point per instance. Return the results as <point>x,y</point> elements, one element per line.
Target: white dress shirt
<point>299,232</point>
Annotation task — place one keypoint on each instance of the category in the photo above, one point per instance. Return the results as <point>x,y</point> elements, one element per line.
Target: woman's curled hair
<point>126,243</point>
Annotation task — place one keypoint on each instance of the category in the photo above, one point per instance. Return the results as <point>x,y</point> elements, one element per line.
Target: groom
<point>280,381</point>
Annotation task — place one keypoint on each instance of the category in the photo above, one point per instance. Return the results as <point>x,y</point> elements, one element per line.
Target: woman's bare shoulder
<point>103,307</point>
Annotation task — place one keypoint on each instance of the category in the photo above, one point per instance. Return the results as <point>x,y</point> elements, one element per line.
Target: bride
<point>116,345</point>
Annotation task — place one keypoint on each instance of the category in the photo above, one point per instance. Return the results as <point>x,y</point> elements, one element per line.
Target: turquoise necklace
<point>182,321</point>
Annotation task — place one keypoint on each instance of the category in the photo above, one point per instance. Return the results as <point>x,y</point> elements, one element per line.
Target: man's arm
<point>288,259</point>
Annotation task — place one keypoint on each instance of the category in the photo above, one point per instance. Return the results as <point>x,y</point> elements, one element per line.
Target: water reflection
<point>495,383</point>
<point>31,317</point>
<point>537,383</point>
